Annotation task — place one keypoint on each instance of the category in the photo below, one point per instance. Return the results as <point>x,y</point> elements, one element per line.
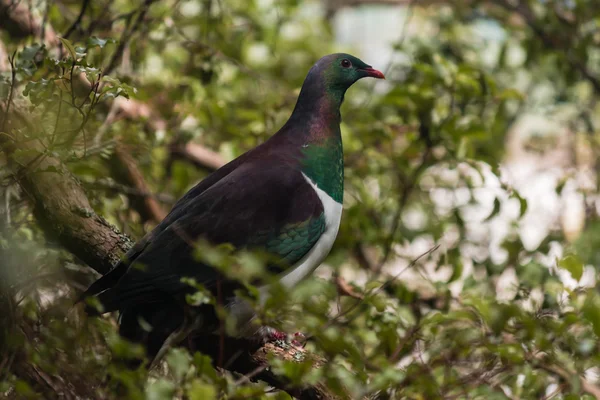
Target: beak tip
<point>373,73</point>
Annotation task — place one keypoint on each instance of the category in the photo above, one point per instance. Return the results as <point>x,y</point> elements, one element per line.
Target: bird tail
<point>102,285</point>
<point>150,324</point>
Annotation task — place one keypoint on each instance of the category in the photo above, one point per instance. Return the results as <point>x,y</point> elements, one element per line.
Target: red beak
<point>372,72</point>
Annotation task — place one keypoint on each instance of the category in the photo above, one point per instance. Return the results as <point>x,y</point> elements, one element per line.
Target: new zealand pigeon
<point>283,197</point>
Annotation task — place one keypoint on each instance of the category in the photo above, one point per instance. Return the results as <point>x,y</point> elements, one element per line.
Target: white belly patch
<point>316,255</point>
<point>244,312</point>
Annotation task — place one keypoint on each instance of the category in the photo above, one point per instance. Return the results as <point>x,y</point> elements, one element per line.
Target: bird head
<point>341,70</point>
<point>327,82</point>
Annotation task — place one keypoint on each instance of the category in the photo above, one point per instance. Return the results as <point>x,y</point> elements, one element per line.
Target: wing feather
<point>274,210</point>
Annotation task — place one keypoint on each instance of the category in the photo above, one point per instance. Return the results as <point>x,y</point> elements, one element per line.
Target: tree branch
<point>77,23</point>
<point>59,203</point>
<point>127,170</point>
<point>251,359</point>
<point>197,154</point>
<point>112,186</point>
<point>126,36</point>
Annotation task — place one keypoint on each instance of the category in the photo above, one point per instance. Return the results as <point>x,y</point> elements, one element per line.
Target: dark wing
<point>259,205</point>
<point>111,278</point>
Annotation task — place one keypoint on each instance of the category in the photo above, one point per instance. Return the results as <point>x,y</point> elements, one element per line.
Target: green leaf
<point>522,203</point>
<point>115,88</point>
<point>160,390</point>
<point>23,389</point>
<point>573,264</point>
<point>591,311</point>
<point>200,296</point>
<point>378,301</point>
<point>511,94</point>
<point>199,390</point>
<point>121,348</point>
<point>457,271</point>
<point>95,41</point>
<point>204,366</point>
<point>91,73</point>
<point>39,91</point>
<point>70,48</point>
<point>495,211</point>
<point>500,314</point>
<point>29,52</point>
<point>179,362</point>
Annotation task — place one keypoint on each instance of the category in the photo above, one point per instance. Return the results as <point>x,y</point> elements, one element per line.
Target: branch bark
<point>129,173</point>
<point>251,359</point>
<point>59,203</point>
<point>197,154</point>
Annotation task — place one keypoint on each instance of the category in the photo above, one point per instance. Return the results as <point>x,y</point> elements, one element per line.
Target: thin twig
<point>126,36</point>
<point>77,21</point>
<point>110,185</point>
<point>248,377</point>
<point>586,385</point>
<point>406,192</point>
<point>378,289</point>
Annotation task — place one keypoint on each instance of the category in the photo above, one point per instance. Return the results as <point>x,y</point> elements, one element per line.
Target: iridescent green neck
<point>316,119</point>
<point>323,163</point>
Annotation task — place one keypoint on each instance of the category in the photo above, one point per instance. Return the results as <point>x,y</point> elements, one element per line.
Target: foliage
<point>424,168</point>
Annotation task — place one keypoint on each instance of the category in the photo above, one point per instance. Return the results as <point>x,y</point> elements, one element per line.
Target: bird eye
<point>346,63</point>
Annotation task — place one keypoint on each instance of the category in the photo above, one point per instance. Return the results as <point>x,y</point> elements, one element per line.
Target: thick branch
<point>124,166</point>
<point>291,353</point>
<point>130,174</point>
<point>198,155</point>
<point>251,359</point>
<point>59,203</point>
